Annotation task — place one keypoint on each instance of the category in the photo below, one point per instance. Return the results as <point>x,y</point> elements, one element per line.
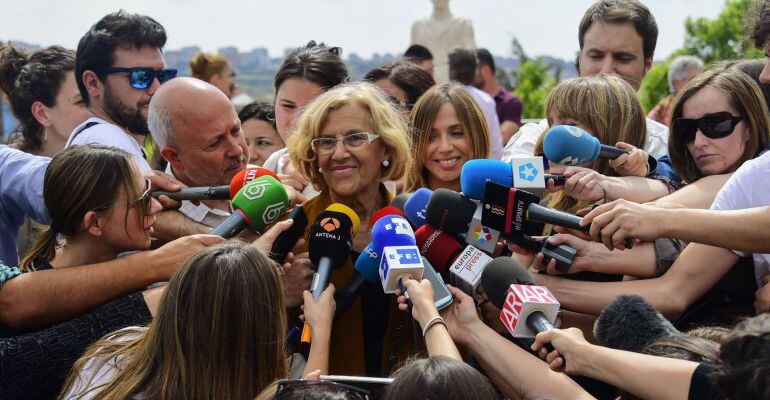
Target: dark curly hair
<point>743,368</point>
<point>316,63</point>
<point>258,110</point>
<point>96,49</point>
<point>27,78</point>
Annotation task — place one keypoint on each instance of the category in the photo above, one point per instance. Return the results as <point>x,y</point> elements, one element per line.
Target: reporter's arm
<point>697,270</point>
<point>319,314</point>
<point>424,311</point>
<point>42,298</point>
<point>699,194</point>
<point>642,375</point>
<point>591,256</point>
<point>520,371</point>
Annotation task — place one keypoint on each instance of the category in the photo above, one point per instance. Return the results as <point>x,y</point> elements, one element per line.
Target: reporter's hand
<point>167,259</point>
<point>461,316</point>
<point>613,222</point>
<point>292,177</point>
<point>568,346</point>
<point>762,297</point>
<point>632,164</point>
<point>421,294</point>
<point>297,277</point>
<point>584,184</point>
<point>588,255</point>
<point>265,242</point>
<point>319,314</point>
<point>163,181</point>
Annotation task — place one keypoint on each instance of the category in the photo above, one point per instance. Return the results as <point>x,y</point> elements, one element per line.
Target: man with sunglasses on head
<point>119,65</point>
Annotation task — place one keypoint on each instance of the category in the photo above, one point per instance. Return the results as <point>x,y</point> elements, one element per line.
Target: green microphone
<point>258,204</point>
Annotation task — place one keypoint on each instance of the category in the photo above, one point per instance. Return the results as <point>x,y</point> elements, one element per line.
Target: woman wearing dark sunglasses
<point>718,122</point>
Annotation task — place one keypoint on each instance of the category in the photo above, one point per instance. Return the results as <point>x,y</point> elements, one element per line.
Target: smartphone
<point>441,295</point>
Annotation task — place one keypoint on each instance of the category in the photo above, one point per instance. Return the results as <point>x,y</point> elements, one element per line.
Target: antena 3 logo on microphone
<point>330,224</point>
<point>520,302</point>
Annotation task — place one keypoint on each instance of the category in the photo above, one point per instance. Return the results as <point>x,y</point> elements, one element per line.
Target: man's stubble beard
<point>125,116</point>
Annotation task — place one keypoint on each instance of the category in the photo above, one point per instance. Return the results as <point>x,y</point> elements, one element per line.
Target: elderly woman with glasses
<point>348,142</point>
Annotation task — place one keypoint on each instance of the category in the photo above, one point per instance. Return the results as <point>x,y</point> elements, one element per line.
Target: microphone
<point>439,247</point>
<point>367,268</point>
<point>509,286</point>
<point>630,323</point>
<point>225,192</point>
<point>258,204</point>
<point>449,211</point>
<point>570,145</point>
<point>394,240</point>
<point>400,200</point>
<point>387,210</point>
<point>329,244</point>
<point>522,173</point>
<point>480,236</point>
<point>415,207</point>
<point>517,214</point>
<point>465,272</point>
<point>287,239</point>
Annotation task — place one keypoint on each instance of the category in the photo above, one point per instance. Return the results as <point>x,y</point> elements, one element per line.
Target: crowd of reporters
<point>158,242</point>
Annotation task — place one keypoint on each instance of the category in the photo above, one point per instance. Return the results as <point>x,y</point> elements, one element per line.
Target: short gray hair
<point>679,68</point>
<point>160,124</point>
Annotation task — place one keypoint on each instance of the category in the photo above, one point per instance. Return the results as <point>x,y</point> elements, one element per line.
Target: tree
<point>711,40</point>
<point>533,83</point>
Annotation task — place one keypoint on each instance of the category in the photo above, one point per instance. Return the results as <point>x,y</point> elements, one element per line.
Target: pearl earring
<point>319,170</point>
<point>385,163</point>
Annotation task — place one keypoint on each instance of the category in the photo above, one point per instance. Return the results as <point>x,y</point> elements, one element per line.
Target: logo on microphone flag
<point>482,234</point>
<point>272,212</point>
<point>528,172</point>
<point>255,189</point>
<point>330,224</point>
<point>520,302</point>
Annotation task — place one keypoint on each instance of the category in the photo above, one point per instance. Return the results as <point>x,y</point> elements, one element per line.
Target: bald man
<point>198,132</point>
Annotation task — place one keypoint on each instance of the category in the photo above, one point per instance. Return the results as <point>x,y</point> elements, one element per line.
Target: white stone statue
<point>441,33</point>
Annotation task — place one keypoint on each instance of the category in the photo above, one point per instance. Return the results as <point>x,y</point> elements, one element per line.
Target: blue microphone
<point>393,240</point>
<point>414,209</point>
<point>367,268</point>
<point>570,145</point>
<point>522,173</point>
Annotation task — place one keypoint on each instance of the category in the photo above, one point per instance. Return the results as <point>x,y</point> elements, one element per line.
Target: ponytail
<point>44,247</point>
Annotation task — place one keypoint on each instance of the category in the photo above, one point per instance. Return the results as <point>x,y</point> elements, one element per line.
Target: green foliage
<point>533,82</point>
<point>721,38</point>
<point>654,86</point>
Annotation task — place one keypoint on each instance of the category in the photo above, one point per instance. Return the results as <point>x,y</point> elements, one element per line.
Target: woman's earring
<point>385,163</point>
<point>319,170</point>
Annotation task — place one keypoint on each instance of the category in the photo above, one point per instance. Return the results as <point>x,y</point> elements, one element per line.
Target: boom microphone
<point>570,145</point>
<point>258,204</point>
<point>630,323</point>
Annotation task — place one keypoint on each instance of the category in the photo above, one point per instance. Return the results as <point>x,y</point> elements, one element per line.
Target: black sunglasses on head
<point>141,77</point>
<point>714,126</point>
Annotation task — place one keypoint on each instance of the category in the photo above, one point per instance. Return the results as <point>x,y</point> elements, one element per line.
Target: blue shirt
<point>21,194</point>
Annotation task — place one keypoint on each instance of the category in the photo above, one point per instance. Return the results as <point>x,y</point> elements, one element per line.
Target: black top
<point>35,365</point>
<point>701,385</point>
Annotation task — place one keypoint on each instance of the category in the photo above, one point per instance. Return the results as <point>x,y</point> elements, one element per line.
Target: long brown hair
<point>219,334</point>
<point>78,180</point>
<point>743,94</point>
<point>424,116</point>
<point>605,104</point>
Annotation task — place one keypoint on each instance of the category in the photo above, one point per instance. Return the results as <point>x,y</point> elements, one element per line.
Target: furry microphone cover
<point>630,323</point>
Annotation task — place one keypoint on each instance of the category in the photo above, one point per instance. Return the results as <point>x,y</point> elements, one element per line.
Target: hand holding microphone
<point>635,163</point>
<point>562,349</point>
<point>570,145</point>
<point>319,313</point>
<point>258,204</point>
<point>618,223</point>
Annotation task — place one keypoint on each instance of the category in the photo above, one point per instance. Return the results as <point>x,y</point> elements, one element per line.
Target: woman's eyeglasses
<point>714,126</point>
<point>326,145</point>
<point>140,77</point>
<point>144,200</point>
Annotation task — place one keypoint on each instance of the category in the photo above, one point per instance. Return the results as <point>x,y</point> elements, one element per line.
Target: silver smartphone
<point>441,295</point>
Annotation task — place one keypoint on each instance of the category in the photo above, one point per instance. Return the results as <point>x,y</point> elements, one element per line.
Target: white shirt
<point>748,188</point>
<point>487,105</point>
<point>522,143</point>
<point>201,213</point>
<point>109,134</point>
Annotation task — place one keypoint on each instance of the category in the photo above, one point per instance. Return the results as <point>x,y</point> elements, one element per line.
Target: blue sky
<point>544,27</point>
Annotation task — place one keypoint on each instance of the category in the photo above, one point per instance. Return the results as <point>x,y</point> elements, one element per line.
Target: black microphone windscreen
<point>331,236</point>
<point>499,275</point>
<point>400,200</point>
<point>630,323</point>
<point>449,211</point>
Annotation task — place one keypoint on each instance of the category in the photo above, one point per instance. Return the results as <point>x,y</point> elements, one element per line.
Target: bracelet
<point>433,321</point>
